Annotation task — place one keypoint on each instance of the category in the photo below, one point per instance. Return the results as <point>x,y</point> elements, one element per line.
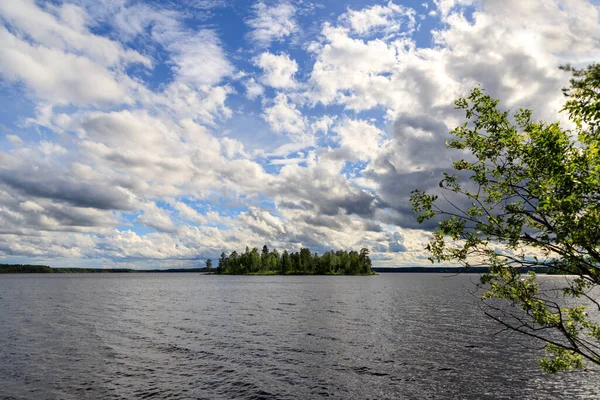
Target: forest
<point>44,269</point>
<point>304,262</point>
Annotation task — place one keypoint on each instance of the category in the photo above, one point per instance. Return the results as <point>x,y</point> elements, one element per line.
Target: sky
<point>157,134</point>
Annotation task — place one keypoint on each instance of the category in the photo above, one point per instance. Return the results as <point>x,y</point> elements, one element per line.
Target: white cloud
<point>278,70</point>
<point>205,103</point>
<point>155,217</point>
<point>513,60</point>
<point>14,140</point>
<point>65,28</point>
<point>253,89</point>
<point>232,148</point>
<point>51,149</point>
<point>52,51</point>
<point>154,246</point>
<point>323,124</point>
<point>196,57</point>
<point>272,23</point>
<point>262,222</point>
<point>346,64</point>
<point>284,117</point>
<point>31,206</point>
<point>287,161</point>
<point>446,6</point>
<point>391,19</point>
<point>59,77</point>
<point>189,213</point>
<point>199,58</point>
<point>160,157</point>
<point>360,137</point>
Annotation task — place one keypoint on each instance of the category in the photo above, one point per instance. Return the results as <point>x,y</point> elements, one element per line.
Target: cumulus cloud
<point>199,58</point>
<point>390,19</point>
<point>253,89</point>
<point>33,181</point>
<point>156,217</point>
<point>66,27</point>
<point>55,55</point>
<point>262,222</point>
<point>323,124</point>
<point>321,185</point>
<point>195,57</point>
<point>22,215</point>
<point>56,76</point>
<point>284,116</point>
<point>397,243</point>
<point>360,137</point>
<point>49,148</point>
<point>347,69</point>
<point>189,213</point>
<point>271,23</point>
<point>445,6</point>
<point>278,70</point>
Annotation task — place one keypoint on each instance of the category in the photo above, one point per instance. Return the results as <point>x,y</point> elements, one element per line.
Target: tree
<point>208,264</point>
<point>255,263</point>
<point>222,263</point>
<point>532,200</point>
<point>273,261</point>
<point>306,261</point>
<point>286,262</point>
<point>354,266</point>
<point>365,261</point>
<point>322,263</point>
<point>233,263</point>
<point>295,259</point>
<point>264,257</point>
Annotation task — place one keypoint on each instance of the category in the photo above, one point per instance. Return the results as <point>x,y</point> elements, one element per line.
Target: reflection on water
<point>193,336</point>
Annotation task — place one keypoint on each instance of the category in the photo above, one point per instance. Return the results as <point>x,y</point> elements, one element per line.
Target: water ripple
<point>184,336</point>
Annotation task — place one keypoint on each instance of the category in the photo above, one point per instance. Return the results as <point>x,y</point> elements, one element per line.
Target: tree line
<point>304,262</point>
<point>44,269</point>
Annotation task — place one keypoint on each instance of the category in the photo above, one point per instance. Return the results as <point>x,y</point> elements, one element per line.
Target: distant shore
<point>44,269</point>
<point>450,270</point>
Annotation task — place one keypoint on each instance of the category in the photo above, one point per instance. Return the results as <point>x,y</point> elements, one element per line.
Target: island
<point>304,262</point>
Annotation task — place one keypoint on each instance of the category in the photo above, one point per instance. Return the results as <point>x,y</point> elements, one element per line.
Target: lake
<point>179,336</point>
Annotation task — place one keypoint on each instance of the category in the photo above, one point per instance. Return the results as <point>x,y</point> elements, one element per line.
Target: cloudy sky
<point>161,133</point>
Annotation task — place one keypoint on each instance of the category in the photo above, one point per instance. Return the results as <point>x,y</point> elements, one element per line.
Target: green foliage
<point>532,200</point>
<point>24,269</point>
<point>561,360</point>
<point>43,269</point>
<point>303,262</point>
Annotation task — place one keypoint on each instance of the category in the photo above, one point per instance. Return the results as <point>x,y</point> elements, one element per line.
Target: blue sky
<point>161,133</point>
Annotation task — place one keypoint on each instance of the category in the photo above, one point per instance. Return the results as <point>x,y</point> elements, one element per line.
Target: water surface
<point>179,336</point>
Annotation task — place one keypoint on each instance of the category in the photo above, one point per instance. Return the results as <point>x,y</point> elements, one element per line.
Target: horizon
<point>159,134</point>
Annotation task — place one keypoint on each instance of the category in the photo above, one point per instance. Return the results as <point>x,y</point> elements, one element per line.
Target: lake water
<point>179,336</point>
